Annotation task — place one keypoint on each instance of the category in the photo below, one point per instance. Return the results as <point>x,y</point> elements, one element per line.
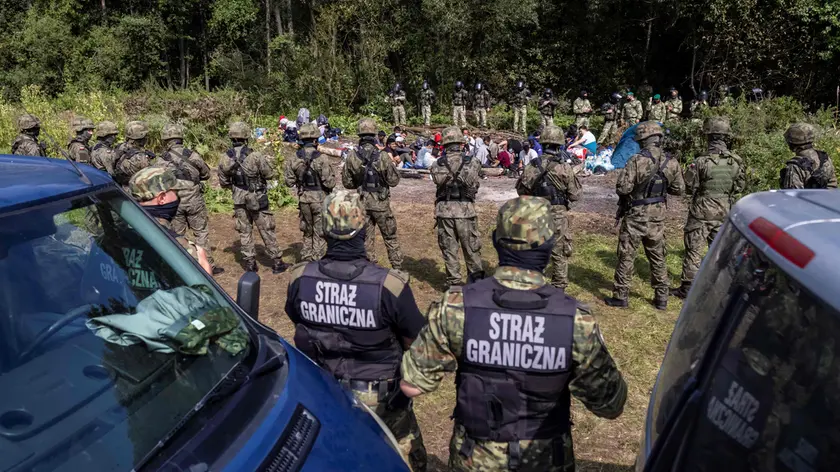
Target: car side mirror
<point>248,294</point>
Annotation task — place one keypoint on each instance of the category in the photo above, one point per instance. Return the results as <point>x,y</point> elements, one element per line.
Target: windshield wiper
<point>276,361</point>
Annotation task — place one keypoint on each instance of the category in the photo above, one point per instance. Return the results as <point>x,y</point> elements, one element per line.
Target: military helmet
<point>717,125</point>
<point>459,85</point>
<point>367,126</point>
<point>136,130</point>
<point>615,97</point>
<point>106,128</point>
<point>548,92</point>
<point>80,124</point>
<point>478,86</point>
<point>799,133</point>
<point>309,131</point>
<point>344,215</point>
<point>27,122</point>
<point>151,182</point>
<point>239,130</point>
<point>552,135</point>
<point>520,84</point>
<point>704,95</point>
<point>172,131</point>
<point>647,129</point>
<point>524,223</point>
<point>425,85</point>
<point>451,135</point>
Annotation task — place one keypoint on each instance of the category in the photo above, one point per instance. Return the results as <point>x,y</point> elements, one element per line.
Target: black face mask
<point>530,259</point>
<point>109,140</point>
<point>164,212</point>
<point>347,250</point>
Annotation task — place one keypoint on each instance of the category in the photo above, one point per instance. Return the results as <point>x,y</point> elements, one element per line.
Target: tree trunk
<point>268,35</point>
<point>693,65</point>
<point>290,17</point>
<point>278,19</point>
<point>206,71</point>
<point>183,60</point>
<point>647,47</point>
<point>102,5</point>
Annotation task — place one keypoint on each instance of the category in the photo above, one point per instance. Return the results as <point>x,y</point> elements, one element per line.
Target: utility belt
<point>514,451</point>
<point>251,188</point>
<point>647,201</point>
<point>559,199</point>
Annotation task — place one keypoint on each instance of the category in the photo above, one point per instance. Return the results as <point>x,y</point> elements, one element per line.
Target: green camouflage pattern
<point>520,119</point>
<point>387,224</point>
<point>520,98</point>
<point>344,215</point>
<point>717,125</point>
<point>136,130</point>
<point>258,167</point>
<point>311,202</point>
<point>609,133</point>
<point>632,111</point>
<point>26,145</point>
<point>796,176</point>
<point>397,101</point>
<point>460,98</point>
<point>80,123</point>
<point>128,166</point>
<point>26,122</point>
<point>582,108</point>
<point>658,111</point>
<point>106,128</point>
<point>366,126</point>
<point>595,379</point>
<point>150,182</point>
<point>218,324</point>
<point>673,108</point>
<point>459,116</point>
<point>524,223</point>
<point>192,212</point>
<point>427,97</point>
<point>426,113</point>
<point>546,105</point>
<point>239,130</point>
<point>552,135</point>
<point>309,132</point>
<point>452,135</point>
<point>402,422</point>
<point>172,131</point>
<point>799,134</point>
<point>103,158</point>
<point>646,130</point>
<point>482,99</point>
<point>455,235</point>
<point>78,150</point>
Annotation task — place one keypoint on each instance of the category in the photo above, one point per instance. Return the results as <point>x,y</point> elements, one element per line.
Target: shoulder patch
<point>396,281</point>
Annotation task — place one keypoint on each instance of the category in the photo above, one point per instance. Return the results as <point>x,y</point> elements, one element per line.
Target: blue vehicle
<point>751,377</point>
<point>119,353</point>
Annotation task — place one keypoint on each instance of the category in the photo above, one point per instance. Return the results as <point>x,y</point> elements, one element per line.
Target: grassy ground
<point>636,337</point>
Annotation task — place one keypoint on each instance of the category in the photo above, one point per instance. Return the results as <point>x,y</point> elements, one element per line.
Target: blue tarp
<point>627,146</point>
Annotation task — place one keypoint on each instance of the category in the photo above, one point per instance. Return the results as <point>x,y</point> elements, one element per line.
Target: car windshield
<point>110,335</point>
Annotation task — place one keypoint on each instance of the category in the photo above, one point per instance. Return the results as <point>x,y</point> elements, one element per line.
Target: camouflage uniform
<point>801,171</point>
<point>582,109</point>
<point>103,155</point>
<point>459,107</point>
<point>78,148</point>
<point>132,155</point>
<point>632,112</point>
<point>715,181</point>
<point>192,212</point>
<point>344,218</point>
<point>674,108</point>
<point>557,177</point>
<point>427,98</point>
<point>250,199</point>
<point>397,99</point>
<point>644,223</point>
<point>594,377</point>
<point>658,111</point>
<point>609,135</point>
<point>456,220</point>
<point>519,102</point>
<point>377,204</point>
<point>481,105</point>
<point>546,106</point>
<point>26,143</point>
<point>310,199</point>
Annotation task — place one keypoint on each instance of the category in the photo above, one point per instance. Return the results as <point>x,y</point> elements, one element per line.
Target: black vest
<point>452,190</point>
<point>183,169</point>
<point>309,179</point>
<point>372,182</point>
<point>545,188</point>
<point>657,185</point>
<point>341,326</point>
<point>239,179</point>
<point>514,371</point>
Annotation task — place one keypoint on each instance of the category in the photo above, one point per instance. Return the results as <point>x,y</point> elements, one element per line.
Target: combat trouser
<point>192,215</point>
<point>609,133</point>
<point>426,111</point>
<point>481,117</point>
<point>520,118</point>
<point>651,234</point>
<point>546,120</point>
<point>388,227</point>
<point>312,227</point>
<point>698,234</point>
<point>582,120</point>
<point>537,455</point>
<point>264,221</point>
<point>459,115</point>
<point>399,115</point>
<point>562,250</point>
<point>456,234</point>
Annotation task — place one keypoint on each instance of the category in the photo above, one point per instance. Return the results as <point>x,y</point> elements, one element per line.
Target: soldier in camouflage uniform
<point>519,103</point>
<point>311,173</point>
<point>103,155</point>
<point>674,106</point>
<point>481,104</point>
<point>512,412</point>
<point>457,179</point>
<point>397,100</point>
<point>546,105</point>
<point>247,172</point>
<point>715,180</point>
<point>365,356</point>
<point>190,167</point>
<point>582,109</point>
<point>642,187</point>
<point>610,110</point>
<point>78,148</point>
<point>632,111</point>
<point>26,143</point>
<point>809,168</point>
<point>552,178</point>
<point>427,99</point>
<point>459,105</point>
<point>372,171</point>
<point>658,110</point>
<point>132,155</point>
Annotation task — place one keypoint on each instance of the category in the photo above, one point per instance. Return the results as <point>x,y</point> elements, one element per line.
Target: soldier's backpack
<point>818,178</point>
<point>372,181</point>
<point>308,179</point>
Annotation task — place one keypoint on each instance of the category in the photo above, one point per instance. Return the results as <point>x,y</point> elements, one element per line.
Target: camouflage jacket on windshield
<point>464,173</point>
<point>353,176</point>
<point>295,168</point>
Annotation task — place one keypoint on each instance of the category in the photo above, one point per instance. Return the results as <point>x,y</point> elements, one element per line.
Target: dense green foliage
<point>343,56</point>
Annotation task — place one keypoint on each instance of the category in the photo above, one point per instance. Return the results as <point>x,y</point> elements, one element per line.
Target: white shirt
<point>588,138</point>
<point>526,157</point>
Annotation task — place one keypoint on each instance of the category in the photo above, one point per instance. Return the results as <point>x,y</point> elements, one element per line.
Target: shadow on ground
<point>426,270</point>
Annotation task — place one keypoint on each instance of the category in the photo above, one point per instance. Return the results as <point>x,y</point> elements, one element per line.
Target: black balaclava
<point>238,142</point>
<point>367,139</point>
<point>164,212</point>
<point>347,249</point>
<point>109,140</point>
<point>33,132</point>
<point>530,259</point>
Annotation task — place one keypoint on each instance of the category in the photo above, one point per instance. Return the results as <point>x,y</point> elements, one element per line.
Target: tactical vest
<point>308,179</point>
<point>100,145</point>
<point>452,190</point>
<point>514,370</point>
<point>121,176</point>
<point>543,187</point>
<point>656,187</point>
<point>817,178</point>
<point>458,99</point>
<point>239,179</point>
<point>373,181</point>
<point>84,144</point>
<point>341,327</point>
<point>181,166</point>
<point>721,177</point>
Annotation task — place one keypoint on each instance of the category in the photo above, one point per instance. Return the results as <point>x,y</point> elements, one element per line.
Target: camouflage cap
<point>153,181</point>
<point>27,121</point>
<point>552,135</point>
<point>717,125</point>
<point>647,129</point>
<point>309,131</point>
<point>136,130</point>
<point>524,223</point>
<point>344,215</point>
<point>172,131</point>
<point>80,123</point>
<point>366,126</point>
<point>452,135</point>
<point>106,128</point>
<point>239,130</point>
<point>800,133</point>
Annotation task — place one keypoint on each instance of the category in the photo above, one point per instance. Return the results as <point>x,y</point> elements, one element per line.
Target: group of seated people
<point>288,129</point>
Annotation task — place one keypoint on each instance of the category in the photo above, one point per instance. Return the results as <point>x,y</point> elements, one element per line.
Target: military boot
<point>279,266</point>
<point>660,303</point>
<point>218,270</point>
<point>616,302</point>
<point>475,276</point>
<point>250,265</point>
<point>681,291</point>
